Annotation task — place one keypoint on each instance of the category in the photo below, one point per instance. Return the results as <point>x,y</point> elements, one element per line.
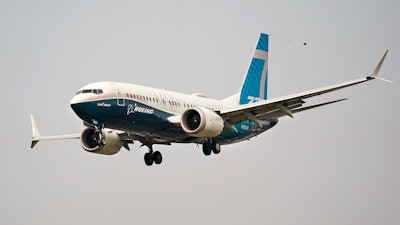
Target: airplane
<point>117,114</point>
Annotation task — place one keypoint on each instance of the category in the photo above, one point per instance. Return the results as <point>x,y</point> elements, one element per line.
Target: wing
<point>288,105</point>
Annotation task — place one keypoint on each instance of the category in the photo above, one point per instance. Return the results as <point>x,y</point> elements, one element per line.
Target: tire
<point>206,149</point>
<point>216,147</point>
<point>157,157</point>
<point>148,159</point>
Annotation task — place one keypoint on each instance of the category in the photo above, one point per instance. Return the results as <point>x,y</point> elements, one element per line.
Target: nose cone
<point>76,105</point>
<point>76,99</point>
<point>81,104</point>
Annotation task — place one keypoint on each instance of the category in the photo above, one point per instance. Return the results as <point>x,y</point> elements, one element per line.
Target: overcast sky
<point>333,165</point>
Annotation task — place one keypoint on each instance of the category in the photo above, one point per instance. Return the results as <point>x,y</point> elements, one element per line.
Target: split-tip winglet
<point>378,67</point>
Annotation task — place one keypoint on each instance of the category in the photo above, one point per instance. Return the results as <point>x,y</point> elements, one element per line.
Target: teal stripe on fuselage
<point>245,130</point>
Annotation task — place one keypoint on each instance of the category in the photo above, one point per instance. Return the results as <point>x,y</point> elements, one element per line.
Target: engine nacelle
<point>111,144</point>
<point>202,122</point>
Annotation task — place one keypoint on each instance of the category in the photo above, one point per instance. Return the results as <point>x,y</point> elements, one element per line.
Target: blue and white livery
<point>117,114</point>
<point>255,85</point>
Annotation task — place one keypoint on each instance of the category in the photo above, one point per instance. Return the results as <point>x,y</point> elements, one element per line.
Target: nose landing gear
<point>99,137</point>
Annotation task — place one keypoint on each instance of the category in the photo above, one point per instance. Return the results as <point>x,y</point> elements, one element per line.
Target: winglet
<point>35,132</point>
<point>378,67</point>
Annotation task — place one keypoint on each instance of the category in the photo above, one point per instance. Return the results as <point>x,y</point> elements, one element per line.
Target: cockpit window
<point>94,91</point>
<point>97,91</point>
<point>86,91</point>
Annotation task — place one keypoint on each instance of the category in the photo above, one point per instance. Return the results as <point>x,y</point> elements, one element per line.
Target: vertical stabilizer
<point>255,84</point>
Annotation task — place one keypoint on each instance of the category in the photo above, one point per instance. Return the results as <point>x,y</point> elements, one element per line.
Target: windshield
<point>86,91</point>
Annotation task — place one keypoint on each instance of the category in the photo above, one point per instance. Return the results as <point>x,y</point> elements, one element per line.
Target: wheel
<point>206,149</point>
<point>216,147</point>
<point>157,157</point>
<point>148,159</point>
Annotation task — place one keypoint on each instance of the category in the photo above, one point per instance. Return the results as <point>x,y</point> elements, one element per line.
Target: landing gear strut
<point>211,145</point>
<point>98,132</point>
<point>99,137</point>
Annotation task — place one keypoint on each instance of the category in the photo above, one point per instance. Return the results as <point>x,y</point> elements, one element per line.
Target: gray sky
<point>333,165</point>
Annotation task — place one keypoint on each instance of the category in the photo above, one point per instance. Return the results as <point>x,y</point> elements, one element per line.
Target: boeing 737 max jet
<point>116,114</point>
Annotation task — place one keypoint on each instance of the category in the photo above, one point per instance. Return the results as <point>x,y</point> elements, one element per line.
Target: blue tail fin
<point>255,84</point>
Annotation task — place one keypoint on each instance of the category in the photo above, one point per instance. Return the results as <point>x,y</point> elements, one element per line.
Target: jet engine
<point>202,122</point>
<point>106,142</point>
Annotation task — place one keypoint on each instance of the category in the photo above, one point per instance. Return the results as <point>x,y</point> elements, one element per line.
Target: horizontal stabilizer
<point>36,137</point>
<point>294,109</point>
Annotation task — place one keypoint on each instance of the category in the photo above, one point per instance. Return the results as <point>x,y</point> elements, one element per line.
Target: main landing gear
<point>156,157</point>
<point>211,146</point>
<point>152,157</point>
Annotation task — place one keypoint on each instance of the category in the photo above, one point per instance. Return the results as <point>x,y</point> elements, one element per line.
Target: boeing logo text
<point>135,108</point>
